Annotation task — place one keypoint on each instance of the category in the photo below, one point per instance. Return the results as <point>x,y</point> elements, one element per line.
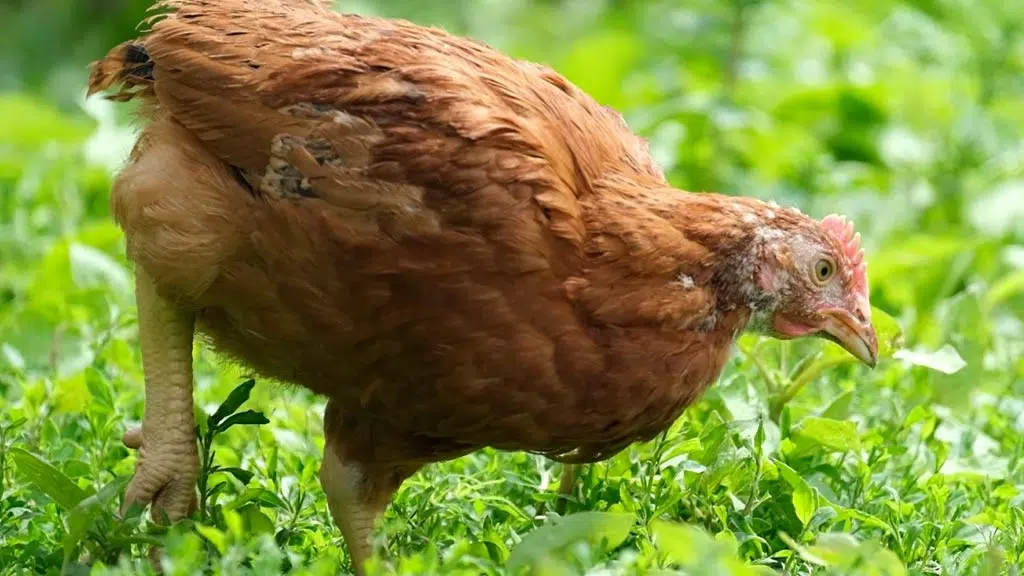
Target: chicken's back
<point>389,215</point>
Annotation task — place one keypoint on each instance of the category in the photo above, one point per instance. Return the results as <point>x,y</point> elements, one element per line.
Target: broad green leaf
<point>834,435</point>
<point>888,331</point>
<point>71,394</point>
<point>546,541</point>
<point>843,551</point>
<point>256,522</point>
<point>946,359</point>
<point>233,402</point>
<point>839,408</point>
<point>47,478</point>
<point>694,548</point>
<point>244,476</point>
<point>804,498</point>
<point>99,387</point>
<point>214,536</point>
<point>917,414</point>
<point>681,544</point>
<point>260,495</point>
<point>868,519</point>
<point>712,438</point>
<point>249,417</point>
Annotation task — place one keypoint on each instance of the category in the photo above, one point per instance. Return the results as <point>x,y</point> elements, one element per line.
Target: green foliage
<point>905,116</point>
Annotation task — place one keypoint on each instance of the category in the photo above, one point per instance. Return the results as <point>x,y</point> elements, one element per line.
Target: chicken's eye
<point>823,270</point>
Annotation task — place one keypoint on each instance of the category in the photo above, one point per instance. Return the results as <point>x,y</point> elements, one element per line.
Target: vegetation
<point>907,116</point>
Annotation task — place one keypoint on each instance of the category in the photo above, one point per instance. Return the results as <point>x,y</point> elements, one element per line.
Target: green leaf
<point>99,387</point>
<point>82,515</point>
<point>843,551</point>
<point>233,402</point>
<point>217,488</point>
<point>834,435</point>
<point>272,463</point>
<point>256,521</point>
<point>249,417</point>
<point>864,517</point>
<point>214,536</point>
<point>47,478</point>
<point>244,476</point>
<point>888,331</point>
<point>712,438</point>
<point>804,497</point>
<point>1005,288</point>
<point>759,437</point>
<point>257,494</point>
<point>544,542</point>
<point>946,359</point>
<point>839,408</point>
<point>681,544</point>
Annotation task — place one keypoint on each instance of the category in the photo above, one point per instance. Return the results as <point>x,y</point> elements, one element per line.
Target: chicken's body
<point>457,248</point>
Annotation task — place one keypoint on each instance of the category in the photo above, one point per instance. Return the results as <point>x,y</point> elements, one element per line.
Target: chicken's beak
<point>855,337</point>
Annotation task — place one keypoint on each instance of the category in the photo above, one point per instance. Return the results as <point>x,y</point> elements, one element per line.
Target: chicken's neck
<point>720,246</point>
<point>743,237</point>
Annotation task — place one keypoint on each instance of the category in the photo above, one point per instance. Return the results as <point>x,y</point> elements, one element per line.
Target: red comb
<point>842,230</point>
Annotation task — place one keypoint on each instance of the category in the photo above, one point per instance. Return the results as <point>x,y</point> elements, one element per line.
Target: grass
<point>797,462</point>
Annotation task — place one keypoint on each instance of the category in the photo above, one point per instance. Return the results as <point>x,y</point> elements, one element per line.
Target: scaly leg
<point>168,463</point>
<point>566,486</point>
<point>356,495</point>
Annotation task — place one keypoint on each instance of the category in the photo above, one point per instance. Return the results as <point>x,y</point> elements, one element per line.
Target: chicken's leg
<point>566,485</point>
<point>356,494</point>
<point>168,464</point>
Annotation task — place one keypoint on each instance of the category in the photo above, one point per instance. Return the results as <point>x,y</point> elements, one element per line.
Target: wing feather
<point>393,103</point>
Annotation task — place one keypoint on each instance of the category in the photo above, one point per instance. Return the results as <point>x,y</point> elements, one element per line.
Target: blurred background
<point>907,116</point>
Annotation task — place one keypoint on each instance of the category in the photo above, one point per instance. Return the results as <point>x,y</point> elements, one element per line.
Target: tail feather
<point>126,66</point>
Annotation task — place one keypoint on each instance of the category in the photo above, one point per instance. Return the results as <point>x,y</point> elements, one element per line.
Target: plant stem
<point>206,454</point>
<point>806,376</point>
<point>737,36</point>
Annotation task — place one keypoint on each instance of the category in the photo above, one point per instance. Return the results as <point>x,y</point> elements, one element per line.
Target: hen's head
<point>815,276</point>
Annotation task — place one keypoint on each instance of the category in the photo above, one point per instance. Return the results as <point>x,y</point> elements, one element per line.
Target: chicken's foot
<point>168,462</point>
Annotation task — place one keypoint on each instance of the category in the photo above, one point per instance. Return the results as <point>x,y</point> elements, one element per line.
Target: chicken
<point>456,248</point>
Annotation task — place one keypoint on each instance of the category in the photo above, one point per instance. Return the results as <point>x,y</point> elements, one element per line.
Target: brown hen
<point>457,248</point>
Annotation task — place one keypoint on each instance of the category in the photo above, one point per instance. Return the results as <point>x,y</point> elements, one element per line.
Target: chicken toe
<point>132,438</point>
<point>168,463</point>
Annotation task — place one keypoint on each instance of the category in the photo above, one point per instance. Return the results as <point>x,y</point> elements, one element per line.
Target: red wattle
<point>787,328</point>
